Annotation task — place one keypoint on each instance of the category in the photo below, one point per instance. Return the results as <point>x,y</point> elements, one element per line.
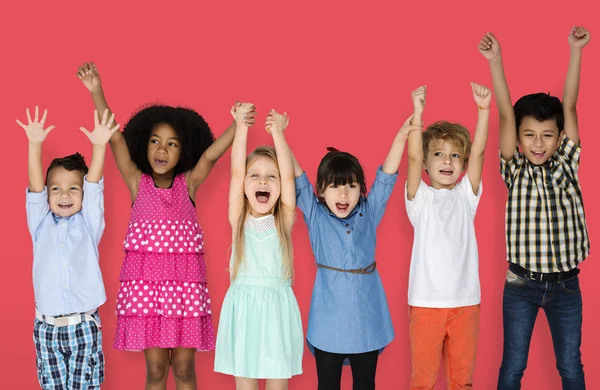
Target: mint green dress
<point>260,330</point>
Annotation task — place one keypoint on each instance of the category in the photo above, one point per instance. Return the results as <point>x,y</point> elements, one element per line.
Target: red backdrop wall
<point>344,72</point>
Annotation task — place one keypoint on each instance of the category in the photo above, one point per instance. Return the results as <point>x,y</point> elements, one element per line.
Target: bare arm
<point>578,38</point>
<point>276,125</point>
<point>238,164</point>
<point>490,49</point>
<point>483,98</point>
<point>415,143</point>
<point>99,137</point>
<point>214,152</point>
<point>131,174</point>
<point>392,161</point>
<point>36,134</point>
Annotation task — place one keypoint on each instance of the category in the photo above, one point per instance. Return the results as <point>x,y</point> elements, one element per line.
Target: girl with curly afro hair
<point>164,154</point>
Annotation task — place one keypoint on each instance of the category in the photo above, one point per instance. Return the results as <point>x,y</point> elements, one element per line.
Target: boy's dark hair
<point>540,106</point>
<point>339,168</point>
<point>74,162</point>
<point>192,130</point>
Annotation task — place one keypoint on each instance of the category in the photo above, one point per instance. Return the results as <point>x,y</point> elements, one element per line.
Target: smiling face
<point>538,140</point>
<point>262,185</point>
<point>65,191</point>
<point>164,149</point>
<point>444,163</point>
<point>341,199</point>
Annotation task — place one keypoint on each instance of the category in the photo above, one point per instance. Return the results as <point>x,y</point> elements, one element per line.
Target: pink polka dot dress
<point>163,300</point>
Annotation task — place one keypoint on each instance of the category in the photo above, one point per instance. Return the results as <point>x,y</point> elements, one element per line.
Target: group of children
<point>165,153</point>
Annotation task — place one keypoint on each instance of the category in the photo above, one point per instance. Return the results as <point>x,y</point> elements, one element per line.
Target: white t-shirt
<point>444,269</point>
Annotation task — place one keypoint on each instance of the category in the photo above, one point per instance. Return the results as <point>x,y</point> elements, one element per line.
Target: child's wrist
<point>483,108</point>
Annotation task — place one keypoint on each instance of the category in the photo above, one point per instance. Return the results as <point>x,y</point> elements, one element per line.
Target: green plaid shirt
<point>545,219</point>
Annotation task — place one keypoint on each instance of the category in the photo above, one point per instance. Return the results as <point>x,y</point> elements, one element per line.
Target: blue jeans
<point>561,301</point>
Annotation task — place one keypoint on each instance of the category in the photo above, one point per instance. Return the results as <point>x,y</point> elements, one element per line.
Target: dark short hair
<point>192,130</point>
<point>542,107</point>
<point>340,168</point>
<point>74,162</point>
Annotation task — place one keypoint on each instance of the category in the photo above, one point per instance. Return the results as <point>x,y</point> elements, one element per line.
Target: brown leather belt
<point>363,271</point>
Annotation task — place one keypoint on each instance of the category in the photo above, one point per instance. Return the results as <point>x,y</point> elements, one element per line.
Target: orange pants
<point>451,331</point>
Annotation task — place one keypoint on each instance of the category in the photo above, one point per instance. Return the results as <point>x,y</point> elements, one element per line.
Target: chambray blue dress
<point>348,312</point>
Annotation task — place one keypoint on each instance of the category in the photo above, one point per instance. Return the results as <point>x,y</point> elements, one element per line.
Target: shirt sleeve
<point>381,190</point>
<point>306,199</point>
<point>569,152</point>
<point>510,169</point>
<point>467,190</point>
<point>414,206</point>
<point>92,208</point>
<point>37,208</point>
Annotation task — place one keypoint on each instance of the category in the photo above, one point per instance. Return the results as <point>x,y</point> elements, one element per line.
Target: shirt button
<point>348,232</point>
<point>360,214</point>
<point>66,286</point>
<point>347,225</point>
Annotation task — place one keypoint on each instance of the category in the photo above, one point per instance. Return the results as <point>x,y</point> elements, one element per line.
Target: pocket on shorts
<point>94,369</point>
<point>513,279</point>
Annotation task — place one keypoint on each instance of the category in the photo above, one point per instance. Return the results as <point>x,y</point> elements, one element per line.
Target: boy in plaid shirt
<point>66,226</point>
<point>546,234</point>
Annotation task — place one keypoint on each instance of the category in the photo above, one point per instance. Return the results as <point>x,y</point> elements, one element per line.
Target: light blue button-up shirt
<point>66,273</point>
<point>348,312</point>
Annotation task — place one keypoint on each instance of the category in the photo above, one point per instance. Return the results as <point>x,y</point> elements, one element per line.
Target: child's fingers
<point>28,115</point>
<point>44,116</point>
<point>111,119</point>
<point>96,121</point>
<point>104,116</point>
<point>84,131</point>
<point>114,129</point>
<point>408,120</point>
<point>49,129</point>
<point>21,124</point>
<point>37,113</point>
<point>93,66</point>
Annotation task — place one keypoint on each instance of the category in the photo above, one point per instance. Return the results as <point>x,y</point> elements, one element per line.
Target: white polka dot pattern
<point>163,300</point>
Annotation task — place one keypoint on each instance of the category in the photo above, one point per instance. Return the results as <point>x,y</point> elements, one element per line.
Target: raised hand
<point>35,128</point>
<point>407,127</point>
<point>88,74</point>
<point>489,47</point>
<point>419,96</point>
<point>276,121</point>
<point>579,37</point>
<point>102,130</point>
<point>243,113</point>
<point>482,96</point>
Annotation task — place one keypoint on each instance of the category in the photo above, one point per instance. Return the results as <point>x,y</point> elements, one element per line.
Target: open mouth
<point>160,163</point>
<point>262,196</point>
<point>446,172</point>
<point>538,154</point>
<point>65,205</point>
<point>342,207</point>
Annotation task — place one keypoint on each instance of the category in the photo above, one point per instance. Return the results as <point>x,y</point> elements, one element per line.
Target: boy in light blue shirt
<point>65,217</point>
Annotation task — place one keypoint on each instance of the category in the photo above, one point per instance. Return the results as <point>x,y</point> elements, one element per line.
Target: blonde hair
<point>285,235</point>
<point>446,131</point>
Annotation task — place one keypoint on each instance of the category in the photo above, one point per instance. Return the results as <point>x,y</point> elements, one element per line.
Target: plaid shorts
<point>69,357</point>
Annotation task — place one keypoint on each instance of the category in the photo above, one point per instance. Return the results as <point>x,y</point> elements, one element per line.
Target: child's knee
<point>157,371</point>
<point>277,384</point>
<point>184,370</point>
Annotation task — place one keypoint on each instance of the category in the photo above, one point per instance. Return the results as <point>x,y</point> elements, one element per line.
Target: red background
<point>344,73</point>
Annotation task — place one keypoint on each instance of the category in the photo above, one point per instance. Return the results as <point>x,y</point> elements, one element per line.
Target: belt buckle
<point>61,321</point>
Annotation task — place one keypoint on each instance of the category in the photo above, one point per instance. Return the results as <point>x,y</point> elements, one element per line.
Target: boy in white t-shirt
<point>443,292</point>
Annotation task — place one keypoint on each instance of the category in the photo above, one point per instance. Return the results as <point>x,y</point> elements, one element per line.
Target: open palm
<point>102,130</point>
<point>35,128</point>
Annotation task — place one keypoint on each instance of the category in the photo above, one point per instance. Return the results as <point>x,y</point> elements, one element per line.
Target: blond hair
<point>285,234</point>
<point>457,134</point>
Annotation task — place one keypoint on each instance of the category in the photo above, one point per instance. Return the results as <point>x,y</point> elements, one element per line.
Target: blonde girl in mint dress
<point>260,331</point>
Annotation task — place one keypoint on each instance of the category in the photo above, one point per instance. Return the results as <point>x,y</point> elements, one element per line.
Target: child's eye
<point>437,154</point>
<point>74,189</point>
<point>173,144</point>
<point>332,186</point>
<point>153,141</point>
<point>455,155</point>
<point>352,185</point>
<point>272,177</point>
<point>54,189</point>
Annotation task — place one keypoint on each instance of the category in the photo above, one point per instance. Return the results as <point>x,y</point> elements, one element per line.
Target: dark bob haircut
<point>339,168</point>
<point>74,162</point>
<point>540,106</point>
<point>192,130</point>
